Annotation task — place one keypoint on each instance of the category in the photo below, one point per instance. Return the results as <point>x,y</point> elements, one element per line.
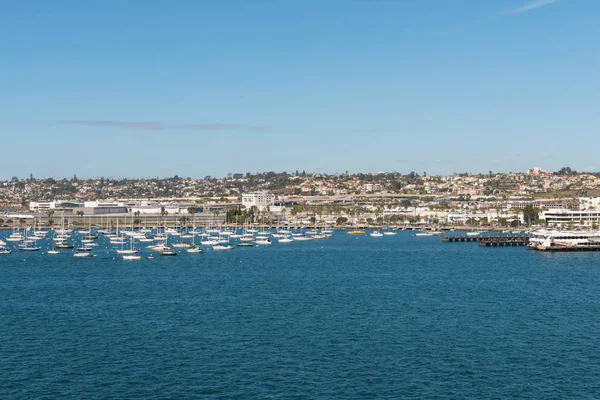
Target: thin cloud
<point>150,126</point>
<point>259,129</point>
<point>529,7</point>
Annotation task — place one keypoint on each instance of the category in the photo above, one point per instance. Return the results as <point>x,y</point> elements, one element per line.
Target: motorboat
<point>223,247</point>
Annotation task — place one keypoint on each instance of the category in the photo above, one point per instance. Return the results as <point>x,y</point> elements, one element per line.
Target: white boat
<point>131,257</point>
<point>194,250</point>
<point>303,238</point>
<point>548,240</point>
<point>424,234</point>
<point>263,242</point>
<point>53,252</point>
<point>376,234</point>
<point>286,239</point>
<point>223,247</point>
<point>4,250</point>
<point>130,251</point>
<point>82,254</point>
<point>182,245</point>
<point>390,233</point>
<point>473,233</point>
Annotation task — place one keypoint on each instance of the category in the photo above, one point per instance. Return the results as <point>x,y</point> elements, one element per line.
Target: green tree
<point>341,220</point>
<point>530,214</point>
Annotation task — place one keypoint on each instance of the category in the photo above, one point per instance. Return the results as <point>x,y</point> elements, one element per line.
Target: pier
<point>589,247</point>
<point>490,241</point>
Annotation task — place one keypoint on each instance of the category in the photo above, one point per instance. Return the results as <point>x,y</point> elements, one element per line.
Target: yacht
<point>376,234</point>
<point>556,240</point>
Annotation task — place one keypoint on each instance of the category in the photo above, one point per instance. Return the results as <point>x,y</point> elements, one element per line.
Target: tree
<point>530,214</point>
<point>79,213</point>
<point>341,220</point>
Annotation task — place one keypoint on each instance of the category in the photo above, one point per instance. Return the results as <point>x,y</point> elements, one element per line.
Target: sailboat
<point>129,251</point>
<point>3,248</point>
<point>29,244</point>
<point>133,255</point>
<point>194,249</point>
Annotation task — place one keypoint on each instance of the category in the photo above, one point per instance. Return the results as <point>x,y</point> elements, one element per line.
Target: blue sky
<point>194,88</point>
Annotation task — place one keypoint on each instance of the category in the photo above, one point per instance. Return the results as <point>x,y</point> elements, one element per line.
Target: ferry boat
<point>545,240</point>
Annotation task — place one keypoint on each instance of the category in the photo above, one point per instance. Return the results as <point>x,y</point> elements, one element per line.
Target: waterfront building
<point>61,205</point>
<point>258,199</point>
<point>579,217</point>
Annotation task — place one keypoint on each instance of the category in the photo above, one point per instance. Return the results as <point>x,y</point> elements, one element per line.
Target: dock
<point>589,247</point>
<point>490,241</point>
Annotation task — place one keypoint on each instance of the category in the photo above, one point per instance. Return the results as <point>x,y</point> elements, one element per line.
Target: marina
<point>196,314</point>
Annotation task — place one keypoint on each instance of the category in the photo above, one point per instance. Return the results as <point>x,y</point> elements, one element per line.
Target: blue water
<point>343,318</point>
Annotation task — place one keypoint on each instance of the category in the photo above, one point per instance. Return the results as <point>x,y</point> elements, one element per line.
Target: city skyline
<point>204,88</point>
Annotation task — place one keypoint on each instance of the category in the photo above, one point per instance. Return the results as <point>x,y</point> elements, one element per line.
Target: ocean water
<point>350,317</point>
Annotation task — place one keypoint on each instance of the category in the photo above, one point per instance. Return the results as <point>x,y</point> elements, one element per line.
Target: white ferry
<point>547,240</point>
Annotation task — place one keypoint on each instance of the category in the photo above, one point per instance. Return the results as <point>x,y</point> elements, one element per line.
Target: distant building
<point>372,187</point>
<point>258,199</point>
<point>536,171</point>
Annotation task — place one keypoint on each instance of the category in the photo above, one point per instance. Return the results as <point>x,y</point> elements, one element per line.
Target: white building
<point>589,203</point>
<point>372,187</point>
<point>577,217</point>
<point>258,199</point>
<point>536,171</point>
<point>42,206</point>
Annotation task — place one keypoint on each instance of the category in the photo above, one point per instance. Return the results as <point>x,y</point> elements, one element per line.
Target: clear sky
<point>194,88</point>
